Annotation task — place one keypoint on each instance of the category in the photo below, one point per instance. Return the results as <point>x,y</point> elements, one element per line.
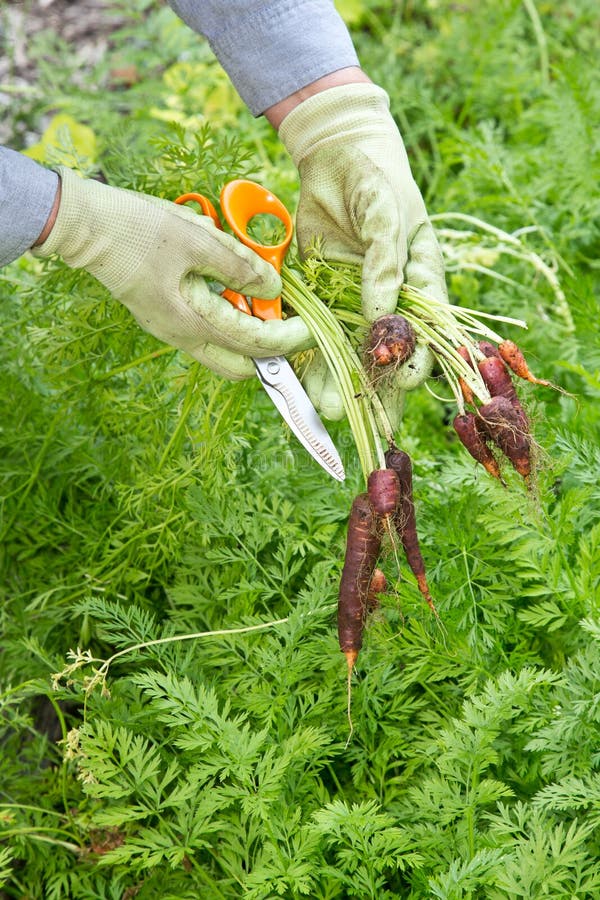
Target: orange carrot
<point>513,356</point>
<point>466,390</point>
<point>377,586</point>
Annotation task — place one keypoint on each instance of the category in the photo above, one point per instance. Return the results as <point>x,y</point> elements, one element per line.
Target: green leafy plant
<point>172,698</point>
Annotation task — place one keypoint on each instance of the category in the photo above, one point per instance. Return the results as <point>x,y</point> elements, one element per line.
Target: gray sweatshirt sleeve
<point>27,192</point>
<point>271,48</point>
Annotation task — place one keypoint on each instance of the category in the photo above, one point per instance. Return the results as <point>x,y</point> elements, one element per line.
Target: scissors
<point>241,200</point>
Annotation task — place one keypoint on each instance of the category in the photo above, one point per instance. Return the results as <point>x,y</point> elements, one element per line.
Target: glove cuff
<point>333,113</point>
<point>96,228</point>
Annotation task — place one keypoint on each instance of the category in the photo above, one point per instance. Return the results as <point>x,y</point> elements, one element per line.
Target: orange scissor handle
<point>241,200</point>
<point>234,297</point>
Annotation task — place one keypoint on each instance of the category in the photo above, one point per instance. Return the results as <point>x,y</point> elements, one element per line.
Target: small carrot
<point>505,425</point>
<point>383,488</point>
<point>471,435</point>
<point>391,339</point>
<point>513,357</point>
<point>405,520</point>
<point>377,586</point>
<point>363,544</point>
<point>496,378</point>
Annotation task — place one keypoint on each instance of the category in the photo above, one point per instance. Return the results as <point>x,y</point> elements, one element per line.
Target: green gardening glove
<point>155,258</point>
<point>358,195</point>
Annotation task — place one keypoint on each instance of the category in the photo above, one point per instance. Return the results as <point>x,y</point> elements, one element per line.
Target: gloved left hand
<point>158,259</point>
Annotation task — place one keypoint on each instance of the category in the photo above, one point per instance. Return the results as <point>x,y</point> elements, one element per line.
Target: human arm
<point>357,192</point>
<point>158,259</point>
<point>28,197</point>
<point>294,61</point>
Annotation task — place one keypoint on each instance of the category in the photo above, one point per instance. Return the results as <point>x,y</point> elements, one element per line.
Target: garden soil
<point>85,25</point>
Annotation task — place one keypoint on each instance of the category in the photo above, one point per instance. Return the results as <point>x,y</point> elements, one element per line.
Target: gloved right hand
<point>155,257</point>
<point>359,197</point>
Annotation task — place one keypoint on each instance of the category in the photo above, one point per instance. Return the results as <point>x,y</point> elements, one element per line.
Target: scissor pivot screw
<point>273,368</point>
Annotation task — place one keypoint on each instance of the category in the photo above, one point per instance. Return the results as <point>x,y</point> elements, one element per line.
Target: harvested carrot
<point>391,339</point>
<point>513,357</point>
<point>377,586</point>
<point>472,436</point>
<point>363,544</point>
<point>466,390</point>
<point>496,378</point>
<point>383,488</point>
<point>505,425</point>
<point>405,520</point>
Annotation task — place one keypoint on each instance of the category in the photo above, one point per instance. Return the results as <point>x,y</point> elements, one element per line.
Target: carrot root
<point>383,488</point>
<point>509,429</point>
<point>391,340</point>
<point>363,544</point>
<point>513,357</point>
<point>377,586</point>
<point>351,657</point>
<point>472,437</point>
<point>489,349</point>
<point>405,520</point>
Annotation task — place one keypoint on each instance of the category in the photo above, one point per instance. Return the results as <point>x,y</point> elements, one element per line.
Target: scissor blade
<point>290,398</point>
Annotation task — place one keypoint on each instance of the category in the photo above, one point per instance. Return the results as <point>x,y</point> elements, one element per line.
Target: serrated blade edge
<point>285,390</point>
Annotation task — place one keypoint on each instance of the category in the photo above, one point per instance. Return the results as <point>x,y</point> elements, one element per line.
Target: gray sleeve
<point>271,48</point>
<point>27,192</point>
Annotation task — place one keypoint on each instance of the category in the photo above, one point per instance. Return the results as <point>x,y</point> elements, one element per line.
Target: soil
<point>84,24</point>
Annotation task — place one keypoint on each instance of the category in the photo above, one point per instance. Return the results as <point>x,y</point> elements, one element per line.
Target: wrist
<point>342,114</point>
<point>45,232</point>
<point>350,75</point>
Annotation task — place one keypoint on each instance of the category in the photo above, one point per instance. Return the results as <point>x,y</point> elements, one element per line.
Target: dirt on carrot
<point>508,428</point>
<point>391,341</point>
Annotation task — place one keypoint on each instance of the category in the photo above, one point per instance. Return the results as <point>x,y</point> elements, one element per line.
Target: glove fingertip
<point>224,362</point>
<point>331,407</point>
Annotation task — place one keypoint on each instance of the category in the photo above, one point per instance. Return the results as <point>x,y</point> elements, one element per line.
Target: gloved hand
<point>154,257</point>
<point>358,194</point>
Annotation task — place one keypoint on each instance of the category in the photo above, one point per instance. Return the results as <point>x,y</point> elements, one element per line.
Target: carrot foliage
<point>172,695</point>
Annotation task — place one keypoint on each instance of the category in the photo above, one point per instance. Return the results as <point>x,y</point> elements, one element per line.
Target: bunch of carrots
<point>499,426</point>
<point>491,422</point>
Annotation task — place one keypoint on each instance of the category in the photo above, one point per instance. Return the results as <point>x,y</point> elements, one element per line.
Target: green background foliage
<point>143,499</point>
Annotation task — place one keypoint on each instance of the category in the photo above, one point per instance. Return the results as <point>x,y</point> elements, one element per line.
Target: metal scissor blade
<point>290,398</point>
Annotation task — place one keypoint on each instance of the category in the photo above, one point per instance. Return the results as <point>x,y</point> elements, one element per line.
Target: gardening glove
<point>358,195</point>
<point>155,257</point>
